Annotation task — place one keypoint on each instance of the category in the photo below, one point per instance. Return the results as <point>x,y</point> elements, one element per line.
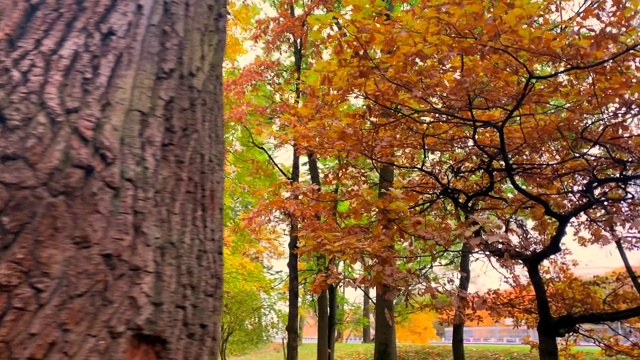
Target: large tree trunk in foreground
<point>111,174</point>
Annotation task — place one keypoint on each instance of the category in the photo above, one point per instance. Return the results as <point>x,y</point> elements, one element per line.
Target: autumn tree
<point>251,297</point>
<point>472,90</point>
<point>249,314</point>
<point>275,80</point>
<point>111,175</point>
<point>417,328</point>
<point>274,92</point>
<point>454,101</point>
<point>572,294</point>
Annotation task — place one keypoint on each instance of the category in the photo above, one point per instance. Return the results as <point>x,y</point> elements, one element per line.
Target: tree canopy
<point>511,128</point>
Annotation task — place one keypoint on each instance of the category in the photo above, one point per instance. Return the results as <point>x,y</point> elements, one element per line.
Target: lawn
<point>411,352</point>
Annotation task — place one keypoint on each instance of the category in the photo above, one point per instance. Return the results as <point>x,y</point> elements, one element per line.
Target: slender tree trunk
<point>627,266</point>
<point>340,318</point>
<point>111,179</point>
<point>301,322</point>
<point>385,338</point>
<point>457,342</point>
<point>323,326</point>
<point>548,347</point>
<point>292,316</point>
<point>293,334</point>
<point>223,352</point>
<point>333,320</point>
<point>223,346</point>
<point>324,338</point>
<point>366,314</point>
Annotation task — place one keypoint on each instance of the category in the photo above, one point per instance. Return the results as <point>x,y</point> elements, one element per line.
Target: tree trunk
<point>323,326</point>
<point>223,345</point>
<point>333,320</point>
<point>292,317</point>
<point>324,338</point>
<point>627,265</point>
<point>548,346</point>
<point>111,176</point>
<point>457,342</point>
<point>547,326</point>
<point>301,322</point>
<point>366,314</point>
<point>385,338</point>
<point>340,318</point>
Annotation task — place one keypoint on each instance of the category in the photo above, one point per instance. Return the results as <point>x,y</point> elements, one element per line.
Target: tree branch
<point>273,161</point>
<point>627,265</point>
<point>571,320</point>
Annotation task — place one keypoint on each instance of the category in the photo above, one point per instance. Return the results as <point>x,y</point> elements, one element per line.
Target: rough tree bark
<point>111,175</point>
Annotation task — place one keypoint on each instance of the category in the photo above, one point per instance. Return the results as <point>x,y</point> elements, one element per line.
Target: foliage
<point>456,99</point>
<point>569,293</point>
<point>250,315</point>
<point>418,328</point>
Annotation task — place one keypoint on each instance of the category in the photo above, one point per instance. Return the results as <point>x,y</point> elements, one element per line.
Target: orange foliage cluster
<point>417,328</point>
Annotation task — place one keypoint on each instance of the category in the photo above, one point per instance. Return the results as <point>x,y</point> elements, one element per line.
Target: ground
<point>410,352</point>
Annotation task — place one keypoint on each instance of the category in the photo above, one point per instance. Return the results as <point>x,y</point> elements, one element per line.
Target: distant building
<point>492,334</point>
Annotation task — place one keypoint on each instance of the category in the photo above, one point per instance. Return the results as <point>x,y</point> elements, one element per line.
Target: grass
<point>413,352</point>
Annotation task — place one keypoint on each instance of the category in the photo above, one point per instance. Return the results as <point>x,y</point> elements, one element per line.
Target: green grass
<point>413,352</point>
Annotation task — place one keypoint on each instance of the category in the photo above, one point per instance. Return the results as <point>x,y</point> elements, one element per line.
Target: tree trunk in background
<point>366,314</point>
<point>333,320</point>
<point>547,326</point>
<point>323,326</point>
<point>292,316</point>
<point>457,342</point>
<point>547,345</point>
<point>323,341</point>
<point>385,337</point>
<point>627,265</point>
<point>301,322</point>
<point>340,320</point>
<point>111,176</point>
